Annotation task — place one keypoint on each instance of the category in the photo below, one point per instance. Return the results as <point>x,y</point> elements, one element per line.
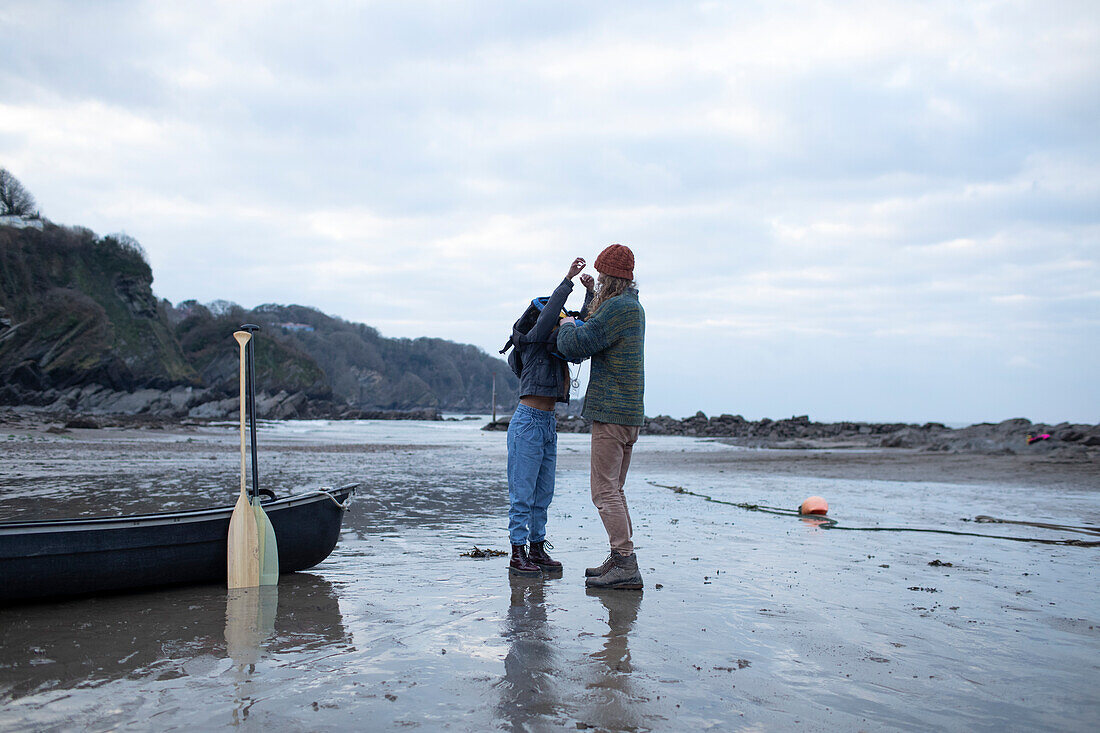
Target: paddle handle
<point>243,337</point>
<point>251,361</point>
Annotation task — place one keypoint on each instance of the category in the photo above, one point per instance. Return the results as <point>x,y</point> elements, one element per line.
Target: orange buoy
<point>814,505</point>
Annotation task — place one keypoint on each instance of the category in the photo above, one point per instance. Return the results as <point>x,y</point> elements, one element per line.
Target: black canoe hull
<point>82,556</point>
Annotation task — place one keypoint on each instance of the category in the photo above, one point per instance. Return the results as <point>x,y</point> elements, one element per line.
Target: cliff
<point>81,331</point>
<point>78,309</point>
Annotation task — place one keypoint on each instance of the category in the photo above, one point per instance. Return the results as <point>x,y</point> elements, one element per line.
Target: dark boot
<point>601,569</point>
<point>623,575</point>
<point>539,557</point>
<point>520,565</point>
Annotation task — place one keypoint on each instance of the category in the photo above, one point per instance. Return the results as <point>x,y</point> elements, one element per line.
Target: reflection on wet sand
<point>618,706</point>
<point>249,622</point>
<point>94,641</point>
<point>816,522</point>
<point>622,612</point>
<point>528,693</point>
<point>536,673</point>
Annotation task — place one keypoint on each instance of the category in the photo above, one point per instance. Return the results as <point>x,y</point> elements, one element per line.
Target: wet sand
<point>918,466</point>
<point>748,620</point>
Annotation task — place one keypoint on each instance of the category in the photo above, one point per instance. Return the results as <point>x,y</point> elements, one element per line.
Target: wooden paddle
<point>243,553</point>
<point>269,549</point>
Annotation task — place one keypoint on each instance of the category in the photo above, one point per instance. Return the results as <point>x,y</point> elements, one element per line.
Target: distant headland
<point>82,333</point>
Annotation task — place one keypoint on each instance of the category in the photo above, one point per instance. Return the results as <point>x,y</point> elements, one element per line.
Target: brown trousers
<point>612,446</point>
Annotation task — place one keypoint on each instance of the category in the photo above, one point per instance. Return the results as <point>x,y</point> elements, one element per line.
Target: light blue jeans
<point>532,458</point>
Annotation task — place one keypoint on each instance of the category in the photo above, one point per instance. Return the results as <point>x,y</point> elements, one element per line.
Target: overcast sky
<point>862,210</point>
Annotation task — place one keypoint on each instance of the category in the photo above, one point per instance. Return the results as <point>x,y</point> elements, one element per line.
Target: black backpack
<point>523,326</point>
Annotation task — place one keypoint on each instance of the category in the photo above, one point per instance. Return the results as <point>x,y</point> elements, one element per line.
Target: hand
<point>567,319</point>
<point>576,267</point>
<point>588,283</point>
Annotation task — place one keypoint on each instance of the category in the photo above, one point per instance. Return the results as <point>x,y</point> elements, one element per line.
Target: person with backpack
<point>613,335</point>
<point>532,432</point>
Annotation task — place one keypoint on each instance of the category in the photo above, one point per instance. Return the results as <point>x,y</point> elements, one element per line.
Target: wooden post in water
<point>494,397</point>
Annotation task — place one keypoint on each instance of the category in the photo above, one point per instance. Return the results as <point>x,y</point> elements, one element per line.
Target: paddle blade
<point>269,549</point>
<point>243,547</point>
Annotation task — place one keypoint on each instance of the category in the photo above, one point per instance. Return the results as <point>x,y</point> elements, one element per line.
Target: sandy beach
<point>748,620</point>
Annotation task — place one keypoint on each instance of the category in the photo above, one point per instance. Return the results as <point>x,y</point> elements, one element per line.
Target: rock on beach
<point>185,402</point>
<point>1009,437</point>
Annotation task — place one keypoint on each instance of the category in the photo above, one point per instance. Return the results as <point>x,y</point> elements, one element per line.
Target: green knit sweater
<point>614,337</point>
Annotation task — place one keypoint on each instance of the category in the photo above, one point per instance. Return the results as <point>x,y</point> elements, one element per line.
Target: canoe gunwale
<point>83,524</point>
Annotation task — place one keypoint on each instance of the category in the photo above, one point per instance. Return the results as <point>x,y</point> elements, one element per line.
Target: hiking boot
<point>602,568</point>
<point>623,574</point>
<point>519,564</point>
<point>539,557</point>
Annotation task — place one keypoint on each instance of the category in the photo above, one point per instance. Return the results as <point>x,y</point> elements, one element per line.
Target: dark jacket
<point>542,373</point>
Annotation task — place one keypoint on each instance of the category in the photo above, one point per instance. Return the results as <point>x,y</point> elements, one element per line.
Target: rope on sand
<point>830,523</point>
<point>983,519</point>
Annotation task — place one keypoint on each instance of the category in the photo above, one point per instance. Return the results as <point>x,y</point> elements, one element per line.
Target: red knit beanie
<point>616,261</point>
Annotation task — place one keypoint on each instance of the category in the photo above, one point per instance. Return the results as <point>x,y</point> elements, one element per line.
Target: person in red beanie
<point>613,335</point>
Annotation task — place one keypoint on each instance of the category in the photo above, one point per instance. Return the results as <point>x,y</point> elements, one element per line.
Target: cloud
<point>829,187</point>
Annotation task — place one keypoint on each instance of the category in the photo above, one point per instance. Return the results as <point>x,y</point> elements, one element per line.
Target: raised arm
<point>551,312</point>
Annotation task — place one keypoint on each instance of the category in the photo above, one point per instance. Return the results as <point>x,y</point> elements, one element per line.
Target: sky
<point>882,211</point>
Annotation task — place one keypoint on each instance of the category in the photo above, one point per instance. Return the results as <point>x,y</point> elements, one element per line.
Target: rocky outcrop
<point>773,432</point>
<point>1008,437</point>
<point>190,403</point>
<point>79,310</point>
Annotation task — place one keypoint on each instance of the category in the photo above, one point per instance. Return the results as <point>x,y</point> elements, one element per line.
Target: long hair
<point>610,287</point>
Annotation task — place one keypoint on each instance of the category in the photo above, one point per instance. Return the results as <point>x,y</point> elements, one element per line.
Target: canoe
<point>67,557</point>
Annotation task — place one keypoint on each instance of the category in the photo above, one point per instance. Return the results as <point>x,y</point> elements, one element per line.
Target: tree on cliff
<point>14,199</point>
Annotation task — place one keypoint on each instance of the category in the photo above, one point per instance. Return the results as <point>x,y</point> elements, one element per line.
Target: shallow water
<point>748,620</point>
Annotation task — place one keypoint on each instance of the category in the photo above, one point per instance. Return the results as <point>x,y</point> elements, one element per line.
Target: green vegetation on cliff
<point>368,370</point>
<point>81,310</point>
<point>77,309</point>
<point>280,365</point>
